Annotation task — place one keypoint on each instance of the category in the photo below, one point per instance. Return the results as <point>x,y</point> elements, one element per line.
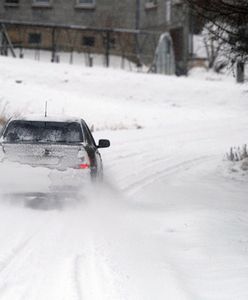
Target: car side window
<point>88,135</point>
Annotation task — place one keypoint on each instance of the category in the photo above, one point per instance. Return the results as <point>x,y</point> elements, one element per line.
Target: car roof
<point>42,118</point>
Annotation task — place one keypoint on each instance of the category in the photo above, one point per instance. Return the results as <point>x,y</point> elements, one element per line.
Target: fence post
<point>107,48</point>
<point>53,58</point>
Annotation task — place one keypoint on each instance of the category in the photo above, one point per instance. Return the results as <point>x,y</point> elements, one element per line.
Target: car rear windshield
<point>43,132</point>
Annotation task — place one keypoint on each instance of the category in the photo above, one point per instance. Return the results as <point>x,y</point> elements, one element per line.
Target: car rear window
<point>43,132</point>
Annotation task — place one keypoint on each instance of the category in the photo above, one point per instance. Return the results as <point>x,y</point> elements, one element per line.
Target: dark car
<point>52,143</point>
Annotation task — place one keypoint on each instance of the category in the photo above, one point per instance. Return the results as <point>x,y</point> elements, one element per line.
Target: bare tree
<point>228,16</point>
<point>215,47</point>
<point>229,19</point>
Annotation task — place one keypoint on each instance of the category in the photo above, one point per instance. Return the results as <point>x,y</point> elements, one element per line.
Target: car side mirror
<point>103,144</point>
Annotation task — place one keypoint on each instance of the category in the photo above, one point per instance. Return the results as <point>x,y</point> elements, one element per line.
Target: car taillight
<point>83,160</point>
<point>84,166</point>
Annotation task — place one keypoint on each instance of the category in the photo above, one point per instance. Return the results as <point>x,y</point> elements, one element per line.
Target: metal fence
<point>133,49</point>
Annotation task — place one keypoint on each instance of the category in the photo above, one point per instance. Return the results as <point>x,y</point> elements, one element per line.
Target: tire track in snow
<point>157,175</point>
<point>147,157</point>
<point>6,260</point>
<point>76,280</point>
<point>152,163</point>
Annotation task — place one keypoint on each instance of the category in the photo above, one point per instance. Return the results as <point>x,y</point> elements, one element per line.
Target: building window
<point>42,2</point>
<point>34,38</point>
<point>88,41</point>
<point>12,2</point>
<point>151,4</point>
<point>86,3</point>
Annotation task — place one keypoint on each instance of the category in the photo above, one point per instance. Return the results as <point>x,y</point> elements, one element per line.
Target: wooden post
<point>53,45</point>
<point>6,42</point>
<point>240,71</point>
<point>107,48</point>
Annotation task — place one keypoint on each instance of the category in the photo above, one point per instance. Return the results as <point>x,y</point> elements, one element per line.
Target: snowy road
<point>160,227</point>
<point>169,222</point>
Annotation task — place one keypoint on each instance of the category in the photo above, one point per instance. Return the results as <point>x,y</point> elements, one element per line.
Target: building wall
<point>164,15</point>
<point>107,13</point>
<point>171,16</point>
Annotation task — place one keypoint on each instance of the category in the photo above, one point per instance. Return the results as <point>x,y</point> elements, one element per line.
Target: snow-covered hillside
<point>169,222</point>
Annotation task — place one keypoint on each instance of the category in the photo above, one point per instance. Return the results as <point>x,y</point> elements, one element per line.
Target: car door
<point>92,150</point>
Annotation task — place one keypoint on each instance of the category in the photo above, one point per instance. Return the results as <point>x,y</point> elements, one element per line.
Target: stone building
<point>130,28</point>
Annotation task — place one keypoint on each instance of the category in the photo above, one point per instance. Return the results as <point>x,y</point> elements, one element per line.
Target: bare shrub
<point>237,153</point>
<point>3,112</point>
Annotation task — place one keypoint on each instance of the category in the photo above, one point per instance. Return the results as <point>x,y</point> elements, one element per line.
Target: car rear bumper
<point>20,178</point>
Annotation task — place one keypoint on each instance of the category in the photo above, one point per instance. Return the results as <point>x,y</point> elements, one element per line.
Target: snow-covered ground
<point>170,221</point>
<point>78,58</point>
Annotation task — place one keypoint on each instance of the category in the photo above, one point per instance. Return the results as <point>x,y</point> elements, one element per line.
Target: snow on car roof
<point>42,118</point>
